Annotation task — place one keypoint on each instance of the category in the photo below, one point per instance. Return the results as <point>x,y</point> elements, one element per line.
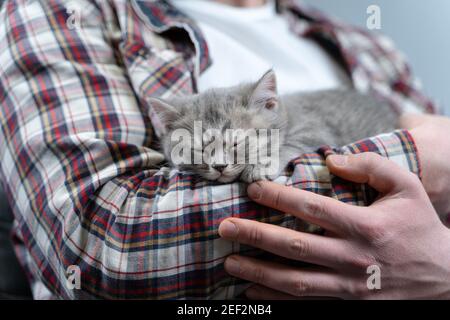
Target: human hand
<point>400,233</point>
<point>432,137</point>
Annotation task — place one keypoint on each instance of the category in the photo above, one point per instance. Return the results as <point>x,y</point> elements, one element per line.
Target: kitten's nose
<point>219,167</point>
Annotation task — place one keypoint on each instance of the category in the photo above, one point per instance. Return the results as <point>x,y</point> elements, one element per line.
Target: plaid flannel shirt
<point>77,145</point>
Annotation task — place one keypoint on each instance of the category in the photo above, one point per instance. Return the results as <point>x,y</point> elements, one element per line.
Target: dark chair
<point>13,283</point>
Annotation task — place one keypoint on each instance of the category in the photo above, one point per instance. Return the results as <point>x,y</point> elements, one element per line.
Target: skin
<point>412,266</point>
<point>431,134</point>
<point>400,233</point>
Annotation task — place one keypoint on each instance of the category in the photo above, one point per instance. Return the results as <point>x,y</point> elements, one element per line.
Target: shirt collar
<point>161,16</point>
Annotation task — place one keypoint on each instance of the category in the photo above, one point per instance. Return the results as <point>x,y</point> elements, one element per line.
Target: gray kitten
<point>305,122</point>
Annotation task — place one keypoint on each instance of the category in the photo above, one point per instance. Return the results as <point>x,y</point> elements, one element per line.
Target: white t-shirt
<point>246,42</point>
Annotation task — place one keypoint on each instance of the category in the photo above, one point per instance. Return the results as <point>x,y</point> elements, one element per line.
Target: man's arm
<point>430,134</point>
<point>77,163</point>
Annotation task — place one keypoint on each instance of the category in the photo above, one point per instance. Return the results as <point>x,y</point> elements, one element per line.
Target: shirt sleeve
<point>77,166</point>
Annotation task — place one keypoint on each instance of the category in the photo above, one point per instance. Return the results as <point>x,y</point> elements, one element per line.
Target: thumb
<point>380,173</point>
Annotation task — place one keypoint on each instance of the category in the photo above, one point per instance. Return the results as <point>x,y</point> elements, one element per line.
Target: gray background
<point>420,28</point>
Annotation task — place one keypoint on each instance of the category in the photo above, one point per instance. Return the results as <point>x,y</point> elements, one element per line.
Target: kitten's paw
<point>272,177</point>
<point>254,173</point>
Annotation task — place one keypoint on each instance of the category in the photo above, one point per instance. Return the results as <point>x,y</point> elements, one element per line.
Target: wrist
<point>433,181</point>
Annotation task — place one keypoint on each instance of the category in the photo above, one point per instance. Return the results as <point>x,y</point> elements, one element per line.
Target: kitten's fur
<point>306,120</point>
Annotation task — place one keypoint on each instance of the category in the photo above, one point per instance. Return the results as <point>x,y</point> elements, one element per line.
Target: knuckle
<point>277,199</point>
<point>414,182</point>
<point>370,160</point>
<point>301,288</point>
<point>259,275</point>
<point>314,208</point>
<point>373,230</point>
<point>255,236</point>
<point>358,289</point>
<point>361,263</point>
<point>300,248</point>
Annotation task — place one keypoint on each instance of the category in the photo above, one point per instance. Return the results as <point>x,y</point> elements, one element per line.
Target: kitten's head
<point>246,106</point>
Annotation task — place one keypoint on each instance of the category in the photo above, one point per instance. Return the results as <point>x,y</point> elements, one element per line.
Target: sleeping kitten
<point>304,122</point>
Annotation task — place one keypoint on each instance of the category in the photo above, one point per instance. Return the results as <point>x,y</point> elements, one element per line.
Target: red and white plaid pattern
<point>77,146</point>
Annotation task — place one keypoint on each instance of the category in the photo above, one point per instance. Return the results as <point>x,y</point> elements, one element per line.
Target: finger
<point>296,282</point>
<point>381,173</point>
<point>324,251</point>
<point>326,212</point>
<point>258,292</point>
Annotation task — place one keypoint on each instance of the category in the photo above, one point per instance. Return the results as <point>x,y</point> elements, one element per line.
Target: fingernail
<point>254,191</point>
<point>232,266</point>
<point>338,160</point>
<point>228,229</point>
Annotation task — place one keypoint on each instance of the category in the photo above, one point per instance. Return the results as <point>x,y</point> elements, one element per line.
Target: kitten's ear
<point>265,92</point>
<point>165,112</point>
